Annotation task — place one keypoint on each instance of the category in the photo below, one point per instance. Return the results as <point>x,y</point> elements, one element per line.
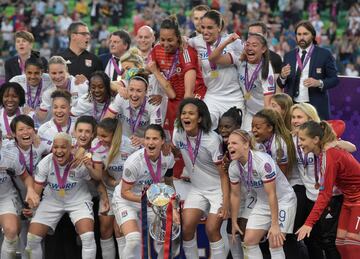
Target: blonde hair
<point>58,60</point>
<point>133,56</point>
<point>65,136</point>
<point>285,102</point>
<point>245,137</point>
<point>308,109</point>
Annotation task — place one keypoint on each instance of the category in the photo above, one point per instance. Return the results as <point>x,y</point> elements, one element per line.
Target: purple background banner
<point>345,105</point>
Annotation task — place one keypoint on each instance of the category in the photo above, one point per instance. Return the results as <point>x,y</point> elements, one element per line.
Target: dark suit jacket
<point>12,67</point>
<point>322,67</point>
<point>105,59</point>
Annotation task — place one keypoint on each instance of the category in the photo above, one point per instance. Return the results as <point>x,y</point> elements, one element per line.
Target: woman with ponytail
<point>335,167</point>
<point>256,75</point>
<point>110,151</point>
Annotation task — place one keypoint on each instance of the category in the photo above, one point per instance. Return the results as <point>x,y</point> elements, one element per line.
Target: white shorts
<point>260,216</point>
<point>50,212</point>
<point>10,205</point>
<point>207,201</point>
<point>248,201</point>
<point>219,105</point>
<point>125,212</point>
<point>247,121</point>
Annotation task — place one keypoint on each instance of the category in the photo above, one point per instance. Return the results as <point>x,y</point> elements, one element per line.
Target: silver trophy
<point>159,195</point>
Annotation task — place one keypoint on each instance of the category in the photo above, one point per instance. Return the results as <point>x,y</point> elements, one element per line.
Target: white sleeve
<point>115,105</point>
<point>45,104</point>
<point>42,169</point>
<point>216,149</point>
<point>234,173</point>
<point>80,108</point>
<point>155,114</point>
<point>268,85</point>
<point>130,173</point>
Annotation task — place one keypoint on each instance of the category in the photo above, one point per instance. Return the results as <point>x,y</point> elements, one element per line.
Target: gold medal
<point>214,74</point>
<point>247,96</point>
<point>317,186</point>
<point>61,192</point>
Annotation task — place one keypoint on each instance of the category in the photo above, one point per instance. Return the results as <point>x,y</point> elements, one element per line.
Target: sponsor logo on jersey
<point>268,168</point>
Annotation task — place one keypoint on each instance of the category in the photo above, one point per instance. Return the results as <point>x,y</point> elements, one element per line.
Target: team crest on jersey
<point>267,168</point>
<point>127,173</point>
<point>255,173</point>
<point>72,174</point>
<point>88,62</point>
<point>163,166</point>
<point>124,155</point>
<point>178,70</point>
<point>271,80</point>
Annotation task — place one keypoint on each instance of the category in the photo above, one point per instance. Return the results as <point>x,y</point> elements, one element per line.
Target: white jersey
<point>76,188</point>
<point>75,90</point>
<point>260,87</point>
<point>9,158</point>
<point>36,152</point>
<point>3,127</point>
<point>226,83</point>
<point>151,115</point>
<point>205,174</point>
<point>264,170</point>
<point>137,173</point>
<point>276,148</point>
<point>48,130</point>
<point>155,88</point>
<point>86,106</point>
<point>46,83</point>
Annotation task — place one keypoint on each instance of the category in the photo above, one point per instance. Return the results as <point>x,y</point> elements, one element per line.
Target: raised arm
<point>217,55</point>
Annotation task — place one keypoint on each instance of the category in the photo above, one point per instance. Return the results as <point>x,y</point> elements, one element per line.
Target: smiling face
<point>304,37</point>
<point>61,111</point>
<point>307,143</point>
<point>238,147</point>
<point>24,135</point>
<point>254,49</point>
<point>190,119</point>
<point>33,75</point>
<point>104,136</point>
<point>153,143</point>
<point>137,92</point>
<point>226,126</point>
<point>23,47</point>
<point>210,30</point>
<point>168,40</point>
<point>298,117</point>
<point>84,133</point>
<point>97,89</point>
<point>261,130</point>
<point>144,39</point>
<point>59,75</point>
<point>126,66</point>
<point>11,101</point>
<point>61,150</point>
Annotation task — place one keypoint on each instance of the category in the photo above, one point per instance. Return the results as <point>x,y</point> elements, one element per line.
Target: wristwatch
<point>321,86</point>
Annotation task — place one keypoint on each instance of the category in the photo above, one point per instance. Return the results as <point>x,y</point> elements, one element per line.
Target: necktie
<point>115,74</point>
<point>298,75</point>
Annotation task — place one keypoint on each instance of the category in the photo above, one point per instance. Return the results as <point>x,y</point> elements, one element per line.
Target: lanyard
<point>247,181</point>
<point>155,177</point>
<point>30,102</point>
<point>194,152</point>
<point>249,84</point>
<point>209,51</point>
<point>23,160</point>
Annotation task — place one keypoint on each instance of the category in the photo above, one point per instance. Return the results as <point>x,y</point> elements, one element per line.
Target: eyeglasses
<point>85,33</point>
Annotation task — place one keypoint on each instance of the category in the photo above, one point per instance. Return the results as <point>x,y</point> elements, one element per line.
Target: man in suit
<point>309,71</point>
<point>120,42</point>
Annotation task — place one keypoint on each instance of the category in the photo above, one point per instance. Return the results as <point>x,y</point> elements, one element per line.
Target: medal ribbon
<point>249,84</point>
<point>134,124</point>
<point>155,177</point>
<point>300,64</point>
<point>194,152</point>
<point>168,229</point>
<point>116,66</point>
<point>59,128</point>
<point>21,65</point>
<point>23,160</point>
<point>268,144</point>
<point>173,66</point>
<point>247,181</point>
<point>303,159</point>
<point>209,51</point>
<point>97,146</point>
<point>144,225</point>
<point>6,121</point>
<point>95,111</point>
<point>30,102</point>
<point>318,171</point>
<point>61,180</point>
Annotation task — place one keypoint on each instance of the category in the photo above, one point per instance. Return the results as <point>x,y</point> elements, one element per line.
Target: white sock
<point>121,242</point>
<point>253,252</point>
<point>8,248</point>
<point>277,253</point>
<point>191,249</point>
<point>108,248</point>
<point>33,246</point>
<point>218,249</point>
<point>236,247</point>
<point>88,245</point>
<point>132,246</point>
